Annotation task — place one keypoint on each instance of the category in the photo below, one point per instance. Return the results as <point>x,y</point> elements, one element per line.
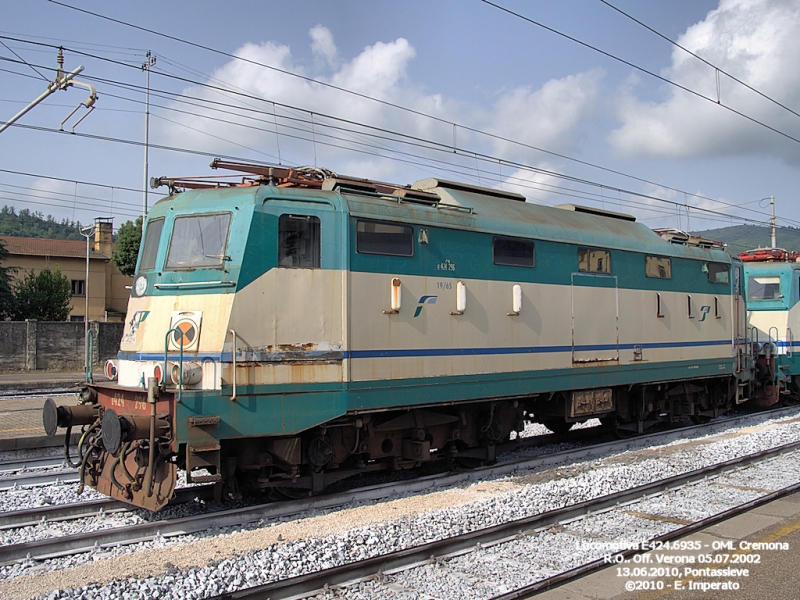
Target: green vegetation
<point>7,299</point>
<point>748,237</point>
<point>34,224</point>
<point>128,240</point>
<point>45,297</point>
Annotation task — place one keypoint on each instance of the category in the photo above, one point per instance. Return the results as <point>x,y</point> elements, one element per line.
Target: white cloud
<point>758,41</point>
<point>537,187</point>
<point>546,117</point>
<point>322,44</point>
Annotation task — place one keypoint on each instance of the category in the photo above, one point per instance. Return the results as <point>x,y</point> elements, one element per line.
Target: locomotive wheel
<point>557,425</point>
<point>292,493</point>
<point>609,423</point>
<point>469,462</point>
<point>700,419</point>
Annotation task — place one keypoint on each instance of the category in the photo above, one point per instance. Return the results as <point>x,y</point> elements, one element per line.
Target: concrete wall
<point>55,346</point>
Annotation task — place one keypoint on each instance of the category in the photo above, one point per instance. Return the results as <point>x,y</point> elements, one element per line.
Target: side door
<point>595,318</point>
<point>306,286</point>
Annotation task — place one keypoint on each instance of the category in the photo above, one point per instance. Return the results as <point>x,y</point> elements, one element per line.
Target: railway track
<point>51,477</point>
<point>27,464</point>
<point>73,544</point>
<point>60,392</point>
<point>27,472</point>
<point>89,508</point>
<point>381,571</point>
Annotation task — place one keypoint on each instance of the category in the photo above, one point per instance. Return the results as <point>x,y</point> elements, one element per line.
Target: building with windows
<point>108,295</point>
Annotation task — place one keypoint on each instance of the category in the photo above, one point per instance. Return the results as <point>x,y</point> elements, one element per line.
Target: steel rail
<point>42,462</point>
<point>675,534</point>
<point>25,480</point>
<point>311,583</point>
<point>88,508</point>
<point>74,544</point>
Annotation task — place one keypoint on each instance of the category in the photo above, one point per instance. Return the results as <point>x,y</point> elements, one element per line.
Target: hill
<point>748,237</point>
<point>34,224</point>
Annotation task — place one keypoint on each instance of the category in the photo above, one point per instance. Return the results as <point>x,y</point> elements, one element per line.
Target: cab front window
<point>199,242</point>
<point>764,287</point>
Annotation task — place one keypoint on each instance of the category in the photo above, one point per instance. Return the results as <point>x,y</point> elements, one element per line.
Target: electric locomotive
<point>299,327</point>
<point>773,315</point>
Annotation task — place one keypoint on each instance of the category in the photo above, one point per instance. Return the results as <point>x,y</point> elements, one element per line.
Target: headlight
<point>111,369</point>
<point>140,285</point>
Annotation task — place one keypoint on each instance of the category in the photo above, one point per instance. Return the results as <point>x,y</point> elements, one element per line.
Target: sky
<point>568,102</point>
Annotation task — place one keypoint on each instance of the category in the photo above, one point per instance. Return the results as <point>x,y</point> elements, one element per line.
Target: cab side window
<point>717,273</point>
<point>151,239</point>
<point>298,242</point>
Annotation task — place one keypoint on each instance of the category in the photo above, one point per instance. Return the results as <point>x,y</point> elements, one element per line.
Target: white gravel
<point>242,561</point>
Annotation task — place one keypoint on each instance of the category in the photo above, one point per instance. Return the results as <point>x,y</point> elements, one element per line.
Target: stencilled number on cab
<point>140,405</point>
<point>118,401</point>
<point>444,285</point>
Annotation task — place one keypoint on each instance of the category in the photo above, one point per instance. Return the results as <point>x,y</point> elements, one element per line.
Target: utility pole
<point>150,60</point>
<point>772,223</point>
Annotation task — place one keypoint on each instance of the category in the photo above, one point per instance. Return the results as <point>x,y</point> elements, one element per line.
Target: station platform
<point>766,540</point>
<point>21,417</point>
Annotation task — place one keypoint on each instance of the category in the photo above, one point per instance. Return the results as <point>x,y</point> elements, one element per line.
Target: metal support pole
<point>772,223</point>
<point>52,87</point>
<point>149,62</point>
<point>86,232</point>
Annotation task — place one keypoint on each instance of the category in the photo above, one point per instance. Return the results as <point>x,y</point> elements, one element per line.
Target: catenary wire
<point>700,58</point>
<point>492,159</point>
<point>449,148</point>
<point>393,105</point>
<point>641,69</point>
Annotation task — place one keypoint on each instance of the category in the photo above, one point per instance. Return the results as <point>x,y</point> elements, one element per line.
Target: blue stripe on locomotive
<point>293,408</point>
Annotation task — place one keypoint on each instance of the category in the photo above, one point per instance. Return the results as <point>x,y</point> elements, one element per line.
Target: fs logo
<point>705,310</point>
<point>137,319</point>
<point>422,302</point>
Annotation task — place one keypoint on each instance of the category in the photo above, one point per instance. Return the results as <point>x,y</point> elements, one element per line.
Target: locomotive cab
<point>772,286</point>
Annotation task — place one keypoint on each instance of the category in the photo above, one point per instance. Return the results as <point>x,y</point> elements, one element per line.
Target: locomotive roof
<point>505,216</point>
<point>441,203</point>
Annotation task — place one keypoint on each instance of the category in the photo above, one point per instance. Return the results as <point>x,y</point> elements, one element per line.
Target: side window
<point>658,267</point>
<point>594,260</point>
<point>512,252</point>
<point>78,287</point>
<point>298,242</point>
<point>151,239</point>
<point>718,273</point>
<point>376,237</point>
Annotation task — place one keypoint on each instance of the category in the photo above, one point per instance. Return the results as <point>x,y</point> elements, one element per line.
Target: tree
<point>44,297</point>
<point>7,300</point>
<point>129,238</point>
<point>34,224</point>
